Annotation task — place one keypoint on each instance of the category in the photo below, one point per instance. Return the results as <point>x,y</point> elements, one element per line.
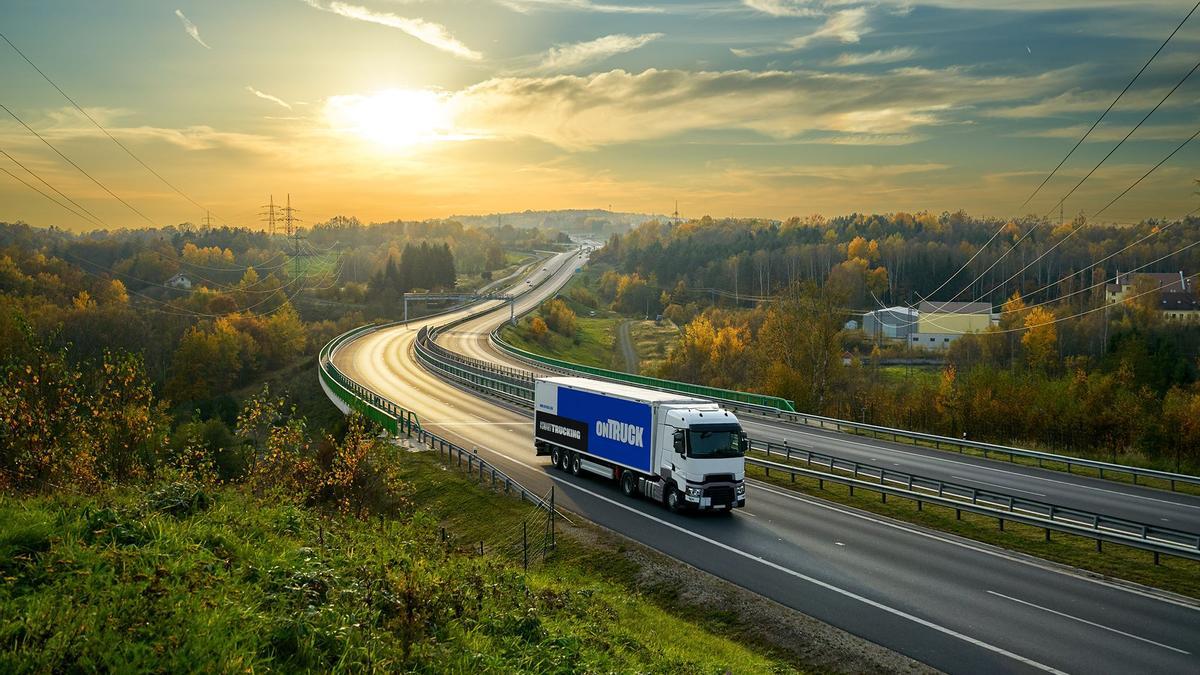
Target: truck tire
<point>556,457</point>
<point>673,499</point>
<point>576,463</point>
<point>629,484</point>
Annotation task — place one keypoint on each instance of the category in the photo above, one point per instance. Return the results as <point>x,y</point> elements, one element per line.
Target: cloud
<point>267,97</point>
<point>1161,132</point>
<point>846,26</point>
<point>1074,101</point>
<point>568,57</point>
<point>433,34</point>
<point>527,6</point>
<point>783,7</point>
<point>191,29</point>
<point>878,56</point>
<point>585,112</point>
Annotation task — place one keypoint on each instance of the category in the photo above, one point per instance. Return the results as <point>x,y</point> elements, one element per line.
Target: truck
<point>684,452</point>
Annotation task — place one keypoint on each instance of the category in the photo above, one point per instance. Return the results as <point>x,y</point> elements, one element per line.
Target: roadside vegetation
<point>764,307</point>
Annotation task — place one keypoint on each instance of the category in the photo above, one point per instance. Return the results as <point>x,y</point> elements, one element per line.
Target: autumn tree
<point>1040,340</point>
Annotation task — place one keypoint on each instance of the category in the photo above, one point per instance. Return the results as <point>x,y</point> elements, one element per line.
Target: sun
<point>392,118</point>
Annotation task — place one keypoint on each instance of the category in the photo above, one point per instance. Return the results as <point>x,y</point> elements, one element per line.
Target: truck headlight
<point>741,490</point>
<point>693,491</point>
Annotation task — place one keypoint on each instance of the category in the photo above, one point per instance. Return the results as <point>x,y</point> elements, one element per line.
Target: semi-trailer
<point>685,452</point>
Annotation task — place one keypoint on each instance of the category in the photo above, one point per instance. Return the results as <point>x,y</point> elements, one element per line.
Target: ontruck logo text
<point>614,430</point>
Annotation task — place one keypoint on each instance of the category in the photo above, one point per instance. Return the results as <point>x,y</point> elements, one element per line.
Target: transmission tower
<point>675,214</point>
<point>208,220</point>
<point>269,214</point>
<point>293,233</point>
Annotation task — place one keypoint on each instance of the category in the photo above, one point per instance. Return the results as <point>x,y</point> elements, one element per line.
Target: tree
<point>538,329</point>
<point>559,317</point>
<point>1040,340</point>
<point>800,345</point>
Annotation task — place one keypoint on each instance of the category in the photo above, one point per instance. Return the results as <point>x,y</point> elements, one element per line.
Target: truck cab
<point>703,458</point>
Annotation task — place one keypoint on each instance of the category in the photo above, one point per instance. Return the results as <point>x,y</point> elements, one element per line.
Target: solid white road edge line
<point>1090,623</point>
<point>817,582</point>
<point>979,549</point>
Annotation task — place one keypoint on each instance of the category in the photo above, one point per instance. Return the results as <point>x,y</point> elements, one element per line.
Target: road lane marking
<point>817,582</point>
<point>1002,487</point>
<point>962,544</point>
<point>826,437</point>
<point>1090,623</point>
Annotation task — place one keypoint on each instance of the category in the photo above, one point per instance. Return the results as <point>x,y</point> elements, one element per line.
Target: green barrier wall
<point>670,385</point>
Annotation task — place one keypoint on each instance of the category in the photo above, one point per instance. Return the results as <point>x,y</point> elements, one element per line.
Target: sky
<point>414,109</point>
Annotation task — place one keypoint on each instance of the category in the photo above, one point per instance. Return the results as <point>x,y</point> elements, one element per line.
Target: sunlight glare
<point>392,118</point>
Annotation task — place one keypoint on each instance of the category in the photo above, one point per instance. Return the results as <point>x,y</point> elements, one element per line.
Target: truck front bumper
<point>714,497</point>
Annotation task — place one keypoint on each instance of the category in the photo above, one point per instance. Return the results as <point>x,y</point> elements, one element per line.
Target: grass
<point>178,579</point>
<point>1178,575</point>
<point>592,345</point>
<point>652,342</point>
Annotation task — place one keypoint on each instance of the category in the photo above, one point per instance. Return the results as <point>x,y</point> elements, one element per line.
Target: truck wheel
<point>673,501</point>
<point>628,484</point>
<point>556,457</point>
<point>576,464</point>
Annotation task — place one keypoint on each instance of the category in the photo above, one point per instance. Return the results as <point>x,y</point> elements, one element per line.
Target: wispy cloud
<point>433,34</point>
<point>846,26</point>
<point>191,29</point>
<point>570,56</point>
<point>526,6</point>
<point>585,112</point>
<point>879,56</point>
<point>783,7</point>
<point>267,97</point>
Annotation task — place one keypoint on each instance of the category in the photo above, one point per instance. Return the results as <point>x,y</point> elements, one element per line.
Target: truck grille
<point>720,494</point>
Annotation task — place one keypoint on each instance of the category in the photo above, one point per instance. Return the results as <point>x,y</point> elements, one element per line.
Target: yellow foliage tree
<point>1040,340</point>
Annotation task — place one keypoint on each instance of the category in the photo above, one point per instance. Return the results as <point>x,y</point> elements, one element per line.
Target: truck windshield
<point>715,441</point>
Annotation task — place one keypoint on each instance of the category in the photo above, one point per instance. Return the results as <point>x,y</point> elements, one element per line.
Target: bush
<point>559,317</point>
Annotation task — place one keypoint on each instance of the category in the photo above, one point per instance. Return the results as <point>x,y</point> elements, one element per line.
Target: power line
<point>51,198</point>
<point>1122,141</point>
<point>79,168</point>
<point>1152,170</point>
<point>1110,106</point>
<point>100,127</point>
<point>93,217</point>
<point>1061,201</point>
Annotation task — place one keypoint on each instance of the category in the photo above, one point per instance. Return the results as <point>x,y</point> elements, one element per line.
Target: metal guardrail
<point>989,450</point>
<point>495,380</point>
<point>922,497</point>
<point>402,422</point>
<point>1187,543</point>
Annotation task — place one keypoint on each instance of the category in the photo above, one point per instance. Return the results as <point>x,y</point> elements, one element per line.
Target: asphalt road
<point>1137,503</point>
<point>955,604</point>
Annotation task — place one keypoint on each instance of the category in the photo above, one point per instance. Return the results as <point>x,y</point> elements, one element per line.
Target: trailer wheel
<point>628,484</point>
<point>556,457</point>
<point>673,499</point>
<point>576,463</point>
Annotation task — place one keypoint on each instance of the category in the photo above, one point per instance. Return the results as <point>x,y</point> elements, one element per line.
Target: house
<point>940,323</point>
<point>1177,300</point>
<point>180,281</point>
<point>1182,306</point>
<point>1124,283</point>
<point>892,323</point>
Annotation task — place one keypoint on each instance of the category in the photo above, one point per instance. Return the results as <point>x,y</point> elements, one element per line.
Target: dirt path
<point>625,344</point>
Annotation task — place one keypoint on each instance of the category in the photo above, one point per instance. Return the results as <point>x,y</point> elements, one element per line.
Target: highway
<point>1137,503</point>
<point>955,604</point>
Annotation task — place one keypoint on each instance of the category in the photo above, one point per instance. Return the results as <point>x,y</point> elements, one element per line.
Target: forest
<point>765,307</point>
<point>158,336</point>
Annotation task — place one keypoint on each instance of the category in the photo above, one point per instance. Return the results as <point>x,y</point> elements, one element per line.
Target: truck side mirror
<point>679,441</point>
<point>743,442</point>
